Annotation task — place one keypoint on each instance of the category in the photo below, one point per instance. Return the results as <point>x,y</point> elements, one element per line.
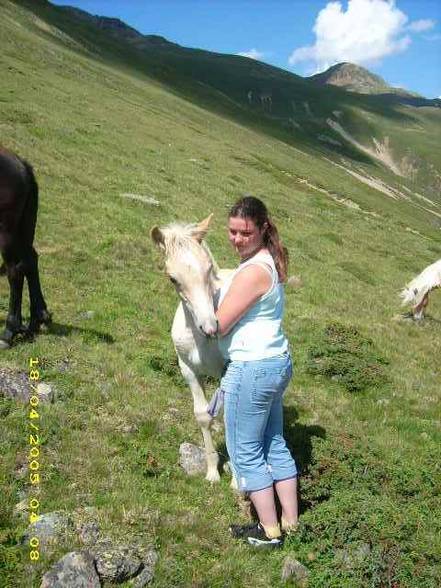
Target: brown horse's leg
<point>14,323</point>
<point>39,312</point>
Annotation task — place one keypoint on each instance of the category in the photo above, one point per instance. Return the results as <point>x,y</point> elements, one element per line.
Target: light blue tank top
<point>258,334</point>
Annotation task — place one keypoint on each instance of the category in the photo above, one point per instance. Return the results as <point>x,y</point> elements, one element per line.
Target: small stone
<point>74,570</point>
<point>21,508</point>
<point>192,459</point>
<point>294,282</point>
<point>45,392</point>
<point>87,314</point>
<point>293,569</point>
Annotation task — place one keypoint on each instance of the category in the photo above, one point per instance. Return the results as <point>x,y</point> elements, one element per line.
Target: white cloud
<point>365,33</point>
<point>418,26</point>
<point>253,54</point>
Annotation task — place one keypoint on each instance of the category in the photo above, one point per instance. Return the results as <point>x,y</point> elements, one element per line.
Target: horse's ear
<point>157,237</point>
<point>201,228</point>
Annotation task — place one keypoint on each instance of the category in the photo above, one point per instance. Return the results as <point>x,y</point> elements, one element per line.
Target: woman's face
<point>244,236</point>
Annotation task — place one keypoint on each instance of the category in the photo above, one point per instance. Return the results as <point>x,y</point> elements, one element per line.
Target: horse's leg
<point>418,310</point>
<point>39,312</point>
<point>204,419</point>
<point>14,323</point>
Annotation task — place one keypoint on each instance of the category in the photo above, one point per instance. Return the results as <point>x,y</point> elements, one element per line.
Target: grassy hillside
<point>98,120</point>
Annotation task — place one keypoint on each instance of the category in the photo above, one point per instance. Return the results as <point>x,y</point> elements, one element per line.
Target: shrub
<point>343,354</point>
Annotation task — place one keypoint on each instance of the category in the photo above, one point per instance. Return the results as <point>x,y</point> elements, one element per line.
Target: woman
<point>258,371</point>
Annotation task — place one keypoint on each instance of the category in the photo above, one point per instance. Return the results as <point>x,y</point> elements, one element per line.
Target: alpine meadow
<point>126,132</point>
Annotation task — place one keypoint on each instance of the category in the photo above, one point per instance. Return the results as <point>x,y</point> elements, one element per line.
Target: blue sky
<point>399,40</point>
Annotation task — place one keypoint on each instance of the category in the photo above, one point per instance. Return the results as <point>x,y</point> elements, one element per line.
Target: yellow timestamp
<point>34,454</point>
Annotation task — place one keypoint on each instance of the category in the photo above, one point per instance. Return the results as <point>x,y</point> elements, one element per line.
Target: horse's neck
<point>217,280</point>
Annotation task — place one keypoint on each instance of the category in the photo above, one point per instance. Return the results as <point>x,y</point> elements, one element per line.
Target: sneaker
<point>255,535</point>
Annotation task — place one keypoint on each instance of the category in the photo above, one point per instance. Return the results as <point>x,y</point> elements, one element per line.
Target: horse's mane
<point>181,235</point>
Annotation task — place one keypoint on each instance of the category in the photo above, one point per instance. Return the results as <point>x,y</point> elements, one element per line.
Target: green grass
<point>96,124</point>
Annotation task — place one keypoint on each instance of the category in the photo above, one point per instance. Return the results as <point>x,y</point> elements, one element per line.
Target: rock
<point>74,570</point>
<point>117,563</point>
<point>50,528</point>
<point>87,314</point>
<point>14,384</point>
<point>149,561</point>
<point>293,569</point>
<point>45,392</point>
<point>353,556</point>
<point>21,509</point>
<point>192,459</point>
<point>294,282</point>
<point>141,198</point>
<point>89,533</point>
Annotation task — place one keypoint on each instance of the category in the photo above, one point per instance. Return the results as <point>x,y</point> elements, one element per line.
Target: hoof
<point>4,344</point>
<point>213,476</point>
<point>44,318</point>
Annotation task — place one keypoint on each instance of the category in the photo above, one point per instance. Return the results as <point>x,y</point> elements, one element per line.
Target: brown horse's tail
<point>30,212</point>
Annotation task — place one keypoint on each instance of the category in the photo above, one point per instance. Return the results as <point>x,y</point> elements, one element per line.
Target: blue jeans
<point>253,414</point>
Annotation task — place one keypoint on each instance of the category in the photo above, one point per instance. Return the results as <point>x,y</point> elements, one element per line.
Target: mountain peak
<point>355,78</point>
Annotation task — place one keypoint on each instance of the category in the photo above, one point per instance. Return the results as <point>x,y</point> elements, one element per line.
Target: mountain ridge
<point>346,75</point>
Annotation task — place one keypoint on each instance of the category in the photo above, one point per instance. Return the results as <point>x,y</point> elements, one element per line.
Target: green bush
<point>344,355</point>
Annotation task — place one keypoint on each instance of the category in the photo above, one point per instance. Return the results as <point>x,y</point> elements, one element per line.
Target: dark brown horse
<point>18,217</point>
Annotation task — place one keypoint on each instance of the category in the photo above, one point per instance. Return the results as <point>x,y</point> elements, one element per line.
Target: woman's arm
<point>246,288</point>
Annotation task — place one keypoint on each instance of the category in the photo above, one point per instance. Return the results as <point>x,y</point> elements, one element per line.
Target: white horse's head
<point>191,268</point>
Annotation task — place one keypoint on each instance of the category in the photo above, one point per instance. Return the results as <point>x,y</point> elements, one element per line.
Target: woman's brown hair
<point>254,209</point>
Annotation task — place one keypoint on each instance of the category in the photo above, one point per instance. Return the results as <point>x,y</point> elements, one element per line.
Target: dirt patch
<point>373,182</point>
<point>381,153</point>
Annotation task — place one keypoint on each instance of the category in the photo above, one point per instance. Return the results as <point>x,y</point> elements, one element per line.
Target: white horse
<point>417,291</point>
<point>193,271</point>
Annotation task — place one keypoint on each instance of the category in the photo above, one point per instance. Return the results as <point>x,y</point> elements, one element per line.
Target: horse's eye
<point>172,280</point>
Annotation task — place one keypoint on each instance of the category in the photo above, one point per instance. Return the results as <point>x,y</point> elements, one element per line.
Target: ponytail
<point>278,251</point>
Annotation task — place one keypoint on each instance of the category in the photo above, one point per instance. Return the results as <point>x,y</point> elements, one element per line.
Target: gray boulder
<point>74,570</point>
<point>147,573</point>
<point>117,563</point>
<point>16,385</point>
<point>50,528</point>
<point>192,459</point>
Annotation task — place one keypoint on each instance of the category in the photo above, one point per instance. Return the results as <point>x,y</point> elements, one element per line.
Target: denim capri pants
<point>253,413</point>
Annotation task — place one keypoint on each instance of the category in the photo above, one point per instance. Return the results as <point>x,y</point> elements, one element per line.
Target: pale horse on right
<point>417,291</point>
